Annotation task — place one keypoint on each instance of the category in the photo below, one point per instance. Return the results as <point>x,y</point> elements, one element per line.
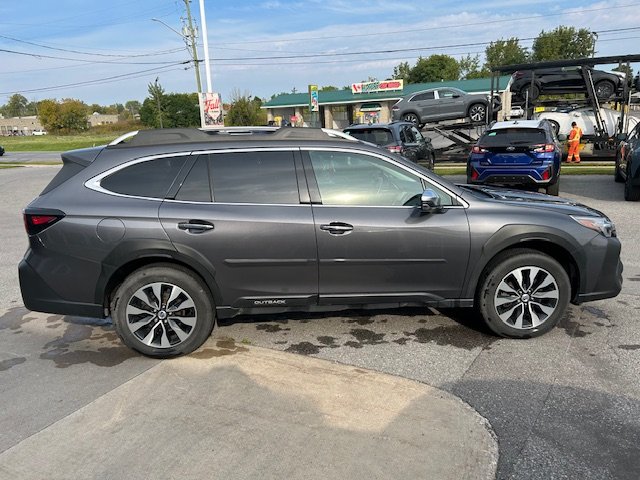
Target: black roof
<point>590,62</point>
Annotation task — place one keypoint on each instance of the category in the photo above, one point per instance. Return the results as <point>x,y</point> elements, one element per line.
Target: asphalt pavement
<point>566,405</point>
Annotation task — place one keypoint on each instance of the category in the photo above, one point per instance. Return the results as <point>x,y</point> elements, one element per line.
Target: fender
<point>514,235</point>
<point>136,250</point>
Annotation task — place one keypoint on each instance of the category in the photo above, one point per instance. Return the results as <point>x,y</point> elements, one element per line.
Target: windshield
<point>513,136</point>
<point>378,136</point>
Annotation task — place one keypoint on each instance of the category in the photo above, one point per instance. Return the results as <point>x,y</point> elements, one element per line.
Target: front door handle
<point>195,226</point>
<point>337,228</point>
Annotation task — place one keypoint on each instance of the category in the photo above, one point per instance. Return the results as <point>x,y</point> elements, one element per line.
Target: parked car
<point>296,221</point>
<point>628,164</point>
<point>444,103</point>
<point>522,153</point>
<point>565,80</point>
<point>402,138</point>
<point>586,120</point>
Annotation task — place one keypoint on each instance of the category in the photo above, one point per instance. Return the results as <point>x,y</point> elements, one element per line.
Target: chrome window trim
<point>426,179</point>
<point>246,150</point>
<point>171,200</point>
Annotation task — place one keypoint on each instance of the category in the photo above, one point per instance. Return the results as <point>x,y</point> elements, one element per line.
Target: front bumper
<point>602,277</point>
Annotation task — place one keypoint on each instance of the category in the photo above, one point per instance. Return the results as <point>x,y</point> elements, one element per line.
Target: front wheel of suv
<point>478,112</point>
<point>163,311</point>
<point>523,293</point>
<point>411,117</point>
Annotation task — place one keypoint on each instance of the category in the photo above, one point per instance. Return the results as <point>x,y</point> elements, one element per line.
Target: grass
<point>56,143</point>
<point>9,166</point>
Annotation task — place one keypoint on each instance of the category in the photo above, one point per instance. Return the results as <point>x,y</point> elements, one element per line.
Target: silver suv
<point>171,229</point>
<point>444,103</point>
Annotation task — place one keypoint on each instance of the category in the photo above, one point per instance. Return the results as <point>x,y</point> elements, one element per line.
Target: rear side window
<point>379,136</point>
<point>254,177</point>
<point>513,136</point>
<point>423,96</point>
<point>196,186</point>
<point>151,178</point>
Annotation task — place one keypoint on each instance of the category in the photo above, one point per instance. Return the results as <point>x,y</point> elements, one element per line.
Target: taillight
<point>549,147</point>
<point>395,148</point>
<point>517,75</point>
<point>395,108</point>
<point>478,149</point>
<point>35,223</point>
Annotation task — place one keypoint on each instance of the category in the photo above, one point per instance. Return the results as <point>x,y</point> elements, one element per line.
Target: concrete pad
<point>234,411</point>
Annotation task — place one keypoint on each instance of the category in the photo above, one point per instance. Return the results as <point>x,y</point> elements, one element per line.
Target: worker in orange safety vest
<point>574,143</point>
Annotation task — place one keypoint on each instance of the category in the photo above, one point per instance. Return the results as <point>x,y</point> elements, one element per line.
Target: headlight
<point>600,224</point>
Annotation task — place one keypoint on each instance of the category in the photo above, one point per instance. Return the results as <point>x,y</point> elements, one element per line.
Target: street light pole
<point>190,41</point>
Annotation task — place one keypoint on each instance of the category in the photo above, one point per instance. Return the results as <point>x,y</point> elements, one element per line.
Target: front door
<point>374,243</point>
<point>241,216</point>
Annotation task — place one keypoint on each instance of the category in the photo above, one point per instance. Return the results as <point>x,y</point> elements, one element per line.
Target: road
<point>566,405</point>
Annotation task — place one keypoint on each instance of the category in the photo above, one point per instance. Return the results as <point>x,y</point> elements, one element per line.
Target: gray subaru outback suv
<point>167,230</point>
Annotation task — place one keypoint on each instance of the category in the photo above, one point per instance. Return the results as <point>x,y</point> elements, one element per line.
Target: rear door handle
<point>195,226</point>
<point>337,228</point>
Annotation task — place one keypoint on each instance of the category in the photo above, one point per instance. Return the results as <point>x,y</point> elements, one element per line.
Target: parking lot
<point>565,405</point>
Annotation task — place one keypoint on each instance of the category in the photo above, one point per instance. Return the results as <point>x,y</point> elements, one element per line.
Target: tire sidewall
<point>495,274</point>
<point>174,275</point>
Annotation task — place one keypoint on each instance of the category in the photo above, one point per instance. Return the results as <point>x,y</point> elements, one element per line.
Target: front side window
<point>447,93</point>
<point>418,135</point>
<point>346,178</point>
<point>254,177</point>
<point>409,135</point>
<point>151,178</point>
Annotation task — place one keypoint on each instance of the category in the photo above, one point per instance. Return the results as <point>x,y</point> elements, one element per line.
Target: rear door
<point>374,243</point>
<point>245,216</point>
<point>425,105</point>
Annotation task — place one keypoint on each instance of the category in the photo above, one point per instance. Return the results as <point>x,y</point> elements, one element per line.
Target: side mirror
<point>562,137</point>
<point>622,136</point>
<point>430,202</point>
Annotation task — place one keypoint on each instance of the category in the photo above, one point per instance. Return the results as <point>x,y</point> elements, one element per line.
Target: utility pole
<point>205,44</point>
<point>191,33</point>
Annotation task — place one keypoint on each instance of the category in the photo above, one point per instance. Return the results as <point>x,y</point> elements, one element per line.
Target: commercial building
<point>31,125</point>
<point>364,102</point>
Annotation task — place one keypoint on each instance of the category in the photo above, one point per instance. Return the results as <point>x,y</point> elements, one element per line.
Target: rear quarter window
<point>151,178</point>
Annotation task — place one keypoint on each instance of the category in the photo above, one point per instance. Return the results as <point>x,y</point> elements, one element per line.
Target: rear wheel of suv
<point>478,112</point>
<point>532,90</point>
<point>523,293</point>
<point>163,311</point>
<point>554,189</point>
<point>631,192</point>
<point>604,89</point>
<point>411,117</point>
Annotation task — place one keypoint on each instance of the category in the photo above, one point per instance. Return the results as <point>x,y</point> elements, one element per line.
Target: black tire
<point>617,176</point>
<point>477,113</point>
<point>604,89</point>
<point>411,117</point>
<point>432,161</point>
<point>554,189</point>
<point>178,337</point>
<point>534,92</point>
<point>498,277</point>
<point>631,192</point>
<point>555,126</point>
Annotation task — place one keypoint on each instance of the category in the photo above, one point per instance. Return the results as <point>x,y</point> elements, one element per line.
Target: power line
<point>96,81</point>
<point>84,60</point>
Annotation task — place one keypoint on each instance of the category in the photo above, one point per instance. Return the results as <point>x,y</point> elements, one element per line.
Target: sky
<point>107,52</point>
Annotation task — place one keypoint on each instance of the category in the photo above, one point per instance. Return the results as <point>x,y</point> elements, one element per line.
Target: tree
<point>470,68</point>
<point>152,111</point>
<point>328,88</point>
<point>626,69</point>
<point>244,111</point>
<point>16,106</point>
<point>505,52</point>
<point>68,116</point>
<point>401,71</point>
<point>564,43</point>
<point>435,68</point>
<point>95,108</point>
<point>181,110</point>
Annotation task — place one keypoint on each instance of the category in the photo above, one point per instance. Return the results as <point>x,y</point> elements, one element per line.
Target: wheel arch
<point>112,277</point>
<point>551,244</point>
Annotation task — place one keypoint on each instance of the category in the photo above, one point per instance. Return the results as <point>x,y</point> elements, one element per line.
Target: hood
<point>535,200</point>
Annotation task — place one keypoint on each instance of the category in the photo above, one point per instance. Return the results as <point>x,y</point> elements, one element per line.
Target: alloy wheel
<point>411,117</point>
<point>477,113</point>
<point>161,315</point>
<point>526,297</point>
